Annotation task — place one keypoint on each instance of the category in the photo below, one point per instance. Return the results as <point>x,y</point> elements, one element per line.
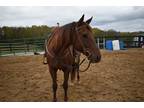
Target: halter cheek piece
<point>85,50</point>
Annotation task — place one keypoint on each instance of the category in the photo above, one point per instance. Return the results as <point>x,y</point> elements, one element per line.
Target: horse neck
<point>61,40</point>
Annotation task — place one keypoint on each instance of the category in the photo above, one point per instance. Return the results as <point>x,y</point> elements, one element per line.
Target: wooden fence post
<point>98,42</point>
<point>104,43</point>
<point>27,47</point>
<point>10,46</point>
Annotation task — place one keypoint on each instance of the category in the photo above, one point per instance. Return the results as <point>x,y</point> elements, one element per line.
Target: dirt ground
<point>118,77</point>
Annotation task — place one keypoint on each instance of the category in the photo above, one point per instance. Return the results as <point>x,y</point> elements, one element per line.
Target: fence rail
<point>21,45</point>
<point>129,41</point>
<point>37,44</point>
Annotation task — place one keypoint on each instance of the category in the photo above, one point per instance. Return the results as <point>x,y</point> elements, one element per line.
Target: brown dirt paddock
<point>118,77</point>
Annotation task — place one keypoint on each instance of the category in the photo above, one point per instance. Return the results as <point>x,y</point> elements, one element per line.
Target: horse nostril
<point>87,53</point>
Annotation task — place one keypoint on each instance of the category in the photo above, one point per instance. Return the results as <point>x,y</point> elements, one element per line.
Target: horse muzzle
<point>94,59</point>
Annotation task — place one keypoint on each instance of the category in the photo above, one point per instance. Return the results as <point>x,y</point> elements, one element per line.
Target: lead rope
<point>85,68</point>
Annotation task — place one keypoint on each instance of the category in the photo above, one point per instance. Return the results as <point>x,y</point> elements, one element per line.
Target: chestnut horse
<point>61,46</point>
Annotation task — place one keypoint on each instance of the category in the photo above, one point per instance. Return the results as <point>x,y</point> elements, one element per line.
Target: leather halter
<point>83,47</point>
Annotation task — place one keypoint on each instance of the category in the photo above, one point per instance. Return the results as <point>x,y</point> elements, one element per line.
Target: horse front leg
<point>54,91</point>
<point>65,85</point>
<point>53,73</point>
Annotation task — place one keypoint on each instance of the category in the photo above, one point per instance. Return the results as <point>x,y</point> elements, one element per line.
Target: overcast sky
<point>112,17</point>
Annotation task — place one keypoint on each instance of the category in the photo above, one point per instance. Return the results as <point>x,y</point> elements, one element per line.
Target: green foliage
<point>97,32</point>
<point>24,32</point>
<point>43,31</point>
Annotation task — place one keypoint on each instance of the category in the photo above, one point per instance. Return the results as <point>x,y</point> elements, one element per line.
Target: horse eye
<point>85,35</point>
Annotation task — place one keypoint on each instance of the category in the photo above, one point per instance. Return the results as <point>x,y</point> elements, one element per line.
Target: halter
<point>85,50</point>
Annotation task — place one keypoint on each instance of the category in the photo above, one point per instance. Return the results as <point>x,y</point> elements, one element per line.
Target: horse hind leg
<point>65,85</point>
<point>73,73</point>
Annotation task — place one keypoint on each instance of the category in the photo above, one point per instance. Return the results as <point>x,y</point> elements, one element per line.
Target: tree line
<point>43,31</point>
<point>24,32</point>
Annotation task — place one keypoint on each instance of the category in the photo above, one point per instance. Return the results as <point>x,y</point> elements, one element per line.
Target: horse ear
<point>89,20</point>
<point>81,19</point>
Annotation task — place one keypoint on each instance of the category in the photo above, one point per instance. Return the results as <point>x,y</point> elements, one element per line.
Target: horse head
<point>85,42</point>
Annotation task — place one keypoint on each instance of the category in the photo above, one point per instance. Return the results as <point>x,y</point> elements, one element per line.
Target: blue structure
<point>121,45</point>
<point>109,45</point>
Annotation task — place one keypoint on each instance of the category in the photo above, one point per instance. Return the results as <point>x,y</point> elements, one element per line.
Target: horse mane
<point>71,28</point>
<point>68,28</point>
<point>69,25</point>
<point>65,27</point>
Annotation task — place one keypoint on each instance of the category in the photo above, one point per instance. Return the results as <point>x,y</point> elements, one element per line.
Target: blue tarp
<point>109,45</point>
<point>121,45</point>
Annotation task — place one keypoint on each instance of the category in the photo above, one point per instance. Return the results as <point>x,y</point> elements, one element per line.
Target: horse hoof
<point>65,99</point>
<point>54,100</point>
